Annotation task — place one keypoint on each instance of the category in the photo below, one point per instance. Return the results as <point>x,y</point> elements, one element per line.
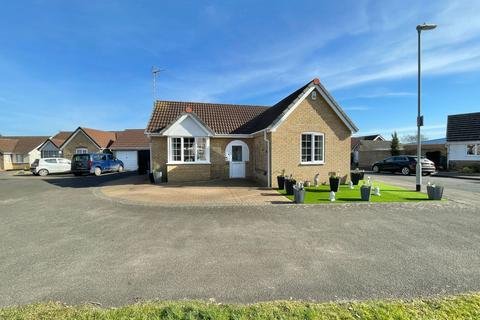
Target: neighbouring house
<point>18,152</point>
<point>365,150</point>
<point>303,134</point>
<point>434,150</point>
<point>463,140</point>
<point>131,145</point>
<point>50,148</point>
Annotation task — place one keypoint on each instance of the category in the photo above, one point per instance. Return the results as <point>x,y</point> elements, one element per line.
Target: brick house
<point>303,134</point>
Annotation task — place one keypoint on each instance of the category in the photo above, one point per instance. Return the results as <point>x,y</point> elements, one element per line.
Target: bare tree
<point>411,138</point>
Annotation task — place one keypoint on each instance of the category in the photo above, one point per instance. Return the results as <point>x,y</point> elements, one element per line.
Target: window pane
<point>188,149</point>
<point>478,149</point>
<point>318,152</point>
<point>51,160</point>
<point>306,148</point>
<point>237,153</point>
<point>201,149</point>
<point>471,149</point>
<point>176,149</point>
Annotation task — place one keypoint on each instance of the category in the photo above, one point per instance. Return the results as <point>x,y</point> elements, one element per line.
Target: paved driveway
<point>222,192</point>
<point>59,241</point>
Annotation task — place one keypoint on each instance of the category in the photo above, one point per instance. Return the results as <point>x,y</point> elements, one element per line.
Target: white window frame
<point>46,154</point>
<point>476,147</point>
<point>182,154</point>
<point>83,150</point>
<point>313,162</point>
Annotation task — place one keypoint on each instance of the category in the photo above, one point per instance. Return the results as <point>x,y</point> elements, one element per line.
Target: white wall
<point>186,126</point>
<point>33,155</point>
<point>458,151</point>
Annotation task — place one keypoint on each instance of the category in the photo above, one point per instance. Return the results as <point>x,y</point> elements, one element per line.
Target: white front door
<point>237,164</point>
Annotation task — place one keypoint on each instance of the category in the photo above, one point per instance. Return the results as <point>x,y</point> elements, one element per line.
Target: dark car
<point>403,164</point>
<point>96,163</point>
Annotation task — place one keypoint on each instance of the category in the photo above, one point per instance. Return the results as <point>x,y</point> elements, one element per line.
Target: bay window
<point>189,150</point>
<point>312,148</point>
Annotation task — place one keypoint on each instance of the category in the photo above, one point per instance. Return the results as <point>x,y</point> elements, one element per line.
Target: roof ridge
<point>211,103</point>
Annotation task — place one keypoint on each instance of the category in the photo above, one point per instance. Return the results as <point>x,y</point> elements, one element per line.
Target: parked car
<point>404,164</point>
<point>96,163</point>
<point>45,166</point>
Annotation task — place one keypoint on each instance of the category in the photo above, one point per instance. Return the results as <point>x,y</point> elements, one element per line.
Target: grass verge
<point>388,193</point>
<point>455,307</point>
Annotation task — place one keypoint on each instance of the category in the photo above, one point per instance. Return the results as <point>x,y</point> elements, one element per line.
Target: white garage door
<point>129,159</point>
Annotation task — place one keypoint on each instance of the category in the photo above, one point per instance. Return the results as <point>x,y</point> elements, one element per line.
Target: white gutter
<point>269,184</point>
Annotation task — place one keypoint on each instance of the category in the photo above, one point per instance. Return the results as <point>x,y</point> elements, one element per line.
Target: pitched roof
<point>232,118</point>
<point>7,145</point>
<point>221,118</point>
<point>356,140</point>
<point>463,127</point>
<point>60,137</point>
<point>102,138</point>
<point>131,139</point>
<point>20,144</point>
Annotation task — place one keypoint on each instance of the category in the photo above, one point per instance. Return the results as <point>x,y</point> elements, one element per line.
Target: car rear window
<point>81,157</point>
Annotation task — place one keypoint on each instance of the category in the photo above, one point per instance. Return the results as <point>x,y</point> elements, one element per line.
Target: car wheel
<point>120,168</point>
<point>43,172</point>
<point>376,169</point>
<point>98,171</point>
<point>406,171</point>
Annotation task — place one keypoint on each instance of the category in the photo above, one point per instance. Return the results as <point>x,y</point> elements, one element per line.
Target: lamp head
<point>426,26</point>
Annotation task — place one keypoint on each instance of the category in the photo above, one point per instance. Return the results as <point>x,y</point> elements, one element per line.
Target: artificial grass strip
<point>388,193</point>
<point>454,307</point>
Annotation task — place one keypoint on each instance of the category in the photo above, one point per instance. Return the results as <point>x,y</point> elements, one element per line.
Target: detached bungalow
<point>304,134</point>
<point>463,140</point>
<point>19,152</point>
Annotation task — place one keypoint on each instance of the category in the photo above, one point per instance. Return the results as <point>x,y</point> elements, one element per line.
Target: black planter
<point>281,182</point>
<point>435,193</point>
<point>334,184</point>
<point>365,192</point>
<point>150,177</point>
<point>289,183</point>
<point>356,177</point>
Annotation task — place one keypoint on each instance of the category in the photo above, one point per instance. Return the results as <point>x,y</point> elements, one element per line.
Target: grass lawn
<point>388,193</point>
<point>456,307</point>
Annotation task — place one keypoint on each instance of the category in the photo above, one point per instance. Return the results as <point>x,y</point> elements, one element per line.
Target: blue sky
<point>70,63</point>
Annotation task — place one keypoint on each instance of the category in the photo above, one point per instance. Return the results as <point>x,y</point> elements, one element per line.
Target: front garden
<point>357,190</point>
<point>388,193</point>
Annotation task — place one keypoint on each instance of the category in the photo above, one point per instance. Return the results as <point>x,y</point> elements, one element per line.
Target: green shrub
<point>467,169</point>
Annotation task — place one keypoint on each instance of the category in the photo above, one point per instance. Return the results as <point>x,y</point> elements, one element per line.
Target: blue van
<point>97,163</point>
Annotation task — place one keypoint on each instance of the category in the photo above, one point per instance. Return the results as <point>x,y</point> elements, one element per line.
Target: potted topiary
<point>299,192</point>
<point>356,175</point>
<point>334,182</point>
<point>289,183</point>
<point>365,191</point>
<point>435,192</point>
<point>281,180</point>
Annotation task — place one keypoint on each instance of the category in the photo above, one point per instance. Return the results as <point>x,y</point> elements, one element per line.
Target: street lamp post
<point>420,28</point>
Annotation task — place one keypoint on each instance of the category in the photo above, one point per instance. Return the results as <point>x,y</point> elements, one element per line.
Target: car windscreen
<point>81,157</point>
